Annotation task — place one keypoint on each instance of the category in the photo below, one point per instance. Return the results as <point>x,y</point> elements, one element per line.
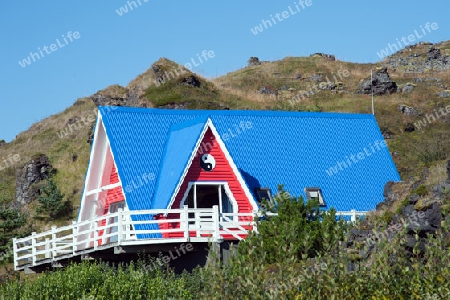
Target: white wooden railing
<point>353,214</point>
<point>119,229</point>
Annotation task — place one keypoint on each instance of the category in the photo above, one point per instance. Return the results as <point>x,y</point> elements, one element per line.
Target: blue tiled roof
<point>179,147</point>
<point>269,148</point>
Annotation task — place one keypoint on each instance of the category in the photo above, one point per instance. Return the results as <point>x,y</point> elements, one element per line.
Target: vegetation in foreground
<point>298,255</point>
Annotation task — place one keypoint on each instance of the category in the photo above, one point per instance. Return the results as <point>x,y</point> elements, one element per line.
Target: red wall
<point>113,195</point>
<point>222,172</point>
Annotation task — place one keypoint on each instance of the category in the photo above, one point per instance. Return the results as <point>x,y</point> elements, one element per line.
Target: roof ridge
<point>338,115</point>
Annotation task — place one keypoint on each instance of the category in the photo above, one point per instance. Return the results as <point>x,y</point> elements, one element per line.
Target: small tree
<point>51,201</point>
<point>301,230</point>
<point>11,225</point>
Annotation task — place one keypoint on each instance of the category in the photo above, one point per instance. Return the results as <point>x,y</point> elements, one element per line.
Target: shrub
<point>51,201</point>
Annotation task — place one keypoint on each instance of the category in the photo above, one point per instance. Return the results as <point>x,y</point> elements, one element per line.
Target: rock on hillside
<point>420,58</point>
<point>133,95</point>
<point>32,172</point>
<point>381,82</point>
<point>115,95</point>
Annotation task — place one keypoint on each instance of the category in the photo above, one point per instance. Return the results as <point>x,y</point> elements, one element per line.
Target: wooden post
<point>15,254</point>
<point>33,248</point>
<point>119,225</point>
<point>216,224</point>
<point>53,242</point>
<point>353,218</point>
<point>254,227</point>
<point>186,222</point>
<point>95,235</point>
<point>74,237</point>
<point>47,248</point>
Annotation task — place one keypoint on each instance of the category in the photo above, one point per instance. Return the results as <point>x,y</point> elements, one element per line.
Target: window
<point>208,194</point>
<point>263,193</point>
<point>315,194</point>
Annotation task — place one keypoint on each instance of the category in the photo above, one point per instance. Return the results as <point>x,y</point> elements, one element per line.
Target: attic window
<point>315,194</point>
<point>263,193</point>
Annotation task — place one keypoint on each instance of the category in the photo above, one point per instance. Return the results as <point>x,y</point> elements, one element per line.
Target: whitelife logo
<point>48,50</point>
<point>391,48</point>
<point>281,17</point>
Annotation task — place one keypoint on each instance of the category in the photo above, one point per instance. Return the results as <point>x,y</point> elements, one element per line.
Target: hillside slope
<point>316,83</point>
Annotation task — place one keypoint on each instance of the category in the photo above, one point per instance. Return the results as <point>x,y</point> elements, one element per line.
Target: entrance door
<point>206,195</point>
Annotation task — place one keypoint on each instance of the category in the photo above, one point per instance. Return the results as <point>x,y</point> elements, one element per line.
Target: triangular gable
<point>226,170</point>
<point>182,142</point>
<point>102,183</point>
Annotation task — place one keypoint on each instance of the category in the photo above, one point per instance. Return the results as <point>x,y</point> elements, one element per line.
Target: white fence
<point>127,228</point>
<point>353,214</point>
<point>119,229</point>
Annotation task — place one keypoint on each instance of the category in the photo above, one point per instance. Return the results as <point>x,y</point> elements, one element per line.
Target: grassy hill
<point>64,137</point>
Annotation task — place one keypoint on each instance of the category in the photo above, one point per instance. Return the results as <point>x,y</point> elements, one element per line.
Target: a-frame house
<point>172,176</point>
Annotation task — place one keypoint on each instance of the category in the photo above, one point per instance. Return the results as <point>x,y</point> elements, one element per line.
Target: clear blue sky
<point>113,49</point>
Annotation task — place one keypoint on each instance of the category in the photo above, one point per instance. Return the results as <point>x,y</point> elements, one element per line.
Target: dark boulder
<point>191,80</point>
<point>409,127</point>
<point>114,95</point>
<point>34,171</point>
<point>433,53</point>
<point>329,57</point>
<point>253,61</point>
<point>389,196</point>
<point>381,83</point>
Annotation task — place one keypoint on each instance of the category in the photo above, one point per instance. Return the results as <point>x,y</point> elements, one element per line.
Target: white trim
<point>218,183</point>
<point>104,188</point>
<point>91,162</point>
<point>106,150</point>
<point>222,146</point>
<point>233,166</point>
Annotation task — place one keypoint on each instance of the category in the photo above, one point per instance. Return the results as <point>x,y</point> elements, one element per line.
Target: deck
<point>130,228</point>
<point>112,233</point>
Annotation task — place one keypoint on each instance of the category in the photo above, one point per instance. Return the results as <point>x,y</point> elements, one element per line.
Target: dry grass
<point>239,90</point>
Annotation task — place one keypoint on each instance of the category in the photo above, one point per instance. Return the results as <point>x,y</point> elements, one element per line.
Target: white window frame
<point>308,190</point>
<point>219,184</point>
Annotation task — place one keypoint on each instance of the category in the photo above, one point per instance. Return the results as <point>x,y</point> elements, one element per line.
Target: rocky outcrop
<point>268,90</point>
<point>35,170</point>
<point>253,61</point>
<point>433,53</point>
<point>407,110</point>
<point>329,57</point>
<point>114,95</point>
<point>421,60</point>
<point>381,84</point>
<point>191,80</point>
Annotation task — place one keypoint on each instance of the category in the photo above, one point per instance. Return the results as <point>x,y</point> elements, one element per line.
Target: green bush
<point>51,202</point>
<point>297,255</point>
